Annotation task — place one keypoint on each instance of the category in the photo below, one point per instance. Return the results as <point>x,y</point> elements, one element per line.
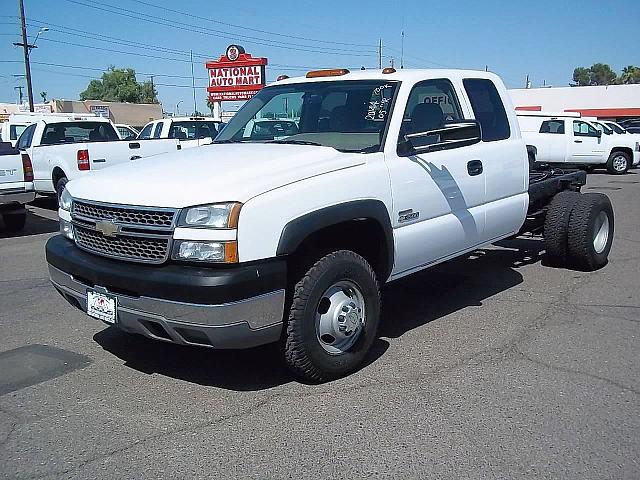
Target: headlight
<point>204,251</point>
<point>218,215</point>
<point>66,200</point>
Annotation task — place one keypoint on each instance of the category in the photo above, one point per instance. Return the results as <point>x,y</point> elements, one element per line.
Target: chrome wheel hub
<point>601,232</point>
<point>340,317</point>
<point>619,163</point>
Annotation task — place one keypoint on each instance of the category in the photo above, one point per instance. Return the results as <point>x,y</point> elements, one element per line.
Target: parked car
<point>629,139</point>
<point>289,240</point>
<point>191,131</point>
<point>572,141</point>
<point>63,148</point>
<point>16,186</point>
<point>126,132</point>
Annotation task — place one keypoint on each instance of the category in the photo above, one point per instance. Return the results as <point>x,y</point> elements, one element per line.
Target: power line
<point>220,34</point>
<point>243,27</point>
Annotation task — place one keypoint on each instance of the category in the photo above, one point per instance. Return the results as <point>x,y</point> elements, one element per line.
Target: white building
<point>615,102</point>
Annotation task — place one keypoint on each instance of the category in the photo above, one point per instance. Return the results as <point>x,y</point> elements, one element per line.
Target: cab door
<point>587,145</point>
<point>438,197</point>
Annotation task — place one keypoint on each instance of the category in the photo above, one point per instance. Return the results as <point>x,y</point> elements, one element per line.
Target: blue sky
<point>513,38</point>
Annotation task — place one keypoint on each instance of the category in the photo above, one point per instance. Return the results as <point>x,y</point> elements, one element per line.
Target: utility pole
<point>486,68</point>
<point>26,47</point>
<point>153,90</point>
<point>193,85</point>
<point>380,54</point>
<point>19,88</point>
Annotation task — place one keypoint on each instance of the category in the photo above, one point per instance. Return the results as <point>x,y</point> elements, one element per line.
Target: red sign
<point>236,75</point>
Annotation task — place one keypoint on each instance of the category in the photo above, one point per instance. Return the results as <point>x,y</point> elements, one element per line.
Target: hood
<point>208,174</point>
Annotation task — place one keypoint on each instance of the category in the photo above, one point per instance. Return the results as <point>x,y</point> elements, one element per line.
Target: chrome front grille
<point>139,249</point>
<point>125,215</point>
<point>135,234</point>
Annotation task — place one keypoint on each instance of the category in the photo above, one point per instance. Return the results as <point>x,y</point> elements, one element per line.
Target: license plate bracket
<point>102,306</point>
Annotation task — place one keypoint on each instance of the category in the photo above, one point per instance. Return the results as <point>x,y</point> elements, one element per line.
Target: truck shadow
<point>407,304</point>
<point>35,225</point>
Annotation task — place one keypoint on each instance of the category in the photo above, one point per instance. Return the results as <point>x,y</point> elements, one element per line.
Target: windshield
<point>345,115</point>
<point>616,128</point>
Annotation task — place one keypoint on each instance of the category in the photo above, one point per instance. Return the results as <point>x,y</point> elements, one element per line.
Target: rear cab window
<point>74,132</point>
<point>158,130</point>
<point>15,131</point>
<point>488,109</point>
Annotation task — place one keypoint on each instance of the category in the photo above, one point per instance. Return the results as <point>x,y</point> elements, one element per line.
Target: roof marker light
<point>389,70</point>
<point>282,77</point>
<point>333,72</point>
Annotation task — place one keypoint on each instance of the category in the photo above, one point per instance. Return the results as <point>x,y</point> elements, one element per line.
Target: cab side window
<point>488,109</point>
<point>431,104</point>
<point>552,126</point>
<point>583,129</point>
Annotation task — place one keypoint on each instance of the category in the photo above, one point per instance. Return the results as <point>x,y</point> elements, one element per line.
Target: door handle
<point>577,141</point>
<point>474,167</point>
<point>134,157</point>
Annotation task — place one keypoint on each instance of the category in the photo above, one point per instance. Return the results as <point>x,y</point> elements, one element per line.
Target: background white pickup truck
<point>571,140</point>
<point>16,186</point>
<point>287,238</point>
<point>191,131</point>
<point>62,149</point>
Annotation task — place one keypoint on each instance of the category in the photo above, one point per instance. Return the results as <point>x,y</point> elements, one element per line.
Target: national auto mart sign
<point>236,75</point>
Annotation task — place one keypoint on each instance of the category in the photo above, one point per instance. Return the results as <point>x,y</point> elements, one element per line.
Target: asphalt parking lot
<point>491,366</point>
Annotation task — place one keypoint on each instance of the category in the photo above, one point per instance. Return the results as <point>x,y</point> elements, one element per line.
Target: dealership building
<point>612,102</point>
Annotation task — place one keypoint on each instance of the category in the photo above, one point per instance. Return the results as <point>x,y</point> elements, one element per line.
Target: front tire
<point>618,163</point>
<point>334,317</point>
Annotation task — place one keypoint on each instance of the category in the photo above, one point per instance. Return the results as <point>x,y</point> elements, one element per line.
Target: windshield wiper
<point>228,140</point>
<point>297,142</point>
<point>369,149</point>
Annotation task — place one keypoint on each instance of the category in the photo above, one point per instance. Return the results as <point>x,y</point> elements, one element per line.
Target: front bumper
<point>636,159</point>
<point>238,307</point>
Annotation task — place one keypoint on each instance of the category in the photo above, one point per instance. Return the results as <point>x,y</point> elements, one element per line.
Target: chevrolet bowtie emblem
<point>108,228</point>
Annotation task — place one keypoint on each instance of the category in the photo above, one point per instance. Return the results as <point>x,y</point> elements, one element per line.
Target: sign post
<point>236,75</point>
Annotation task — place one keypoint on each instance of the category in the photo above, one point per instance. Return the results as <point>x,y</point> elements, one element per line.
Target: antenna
<point>402,48</point>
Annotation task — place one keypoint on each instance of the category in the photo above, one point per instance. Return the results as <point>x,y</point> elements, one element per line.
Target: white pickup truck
<point>191,131</point>
<point>66,147</point>
<point>565,139</point>
<point>16,186</point>
<point>252,241</point>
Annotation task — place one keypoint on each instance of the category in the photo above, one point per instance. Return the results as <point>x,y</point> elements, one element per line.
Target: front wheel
<point>618,163</point>
<point>334,317</point>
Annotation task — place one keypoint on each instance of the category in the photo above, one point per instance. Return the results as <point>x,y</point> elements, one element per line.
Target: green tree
<point>120,85</point>
<point>630,74</point>
<point>596,74</point>
<point>602,74</point>
<point>581,76</point>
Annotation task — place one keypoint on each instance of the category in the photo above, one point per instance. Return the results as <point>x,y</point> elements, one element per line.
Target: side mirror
<point>452,135</point>
<point>598,133</point>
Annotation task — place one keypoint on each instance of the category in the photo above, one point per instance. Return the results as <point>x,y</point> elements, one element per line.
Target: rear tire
<point>60,184</point>
<point>618,163</point>
<point>556,226</point>
<point>14,222</point>
<point>334,317</point>
<point>591,228</point>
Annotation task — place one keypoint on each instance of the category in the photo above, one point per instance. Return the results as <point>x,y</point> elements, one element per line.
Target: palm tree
<point>630,74</point>
<point>44,96</point>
